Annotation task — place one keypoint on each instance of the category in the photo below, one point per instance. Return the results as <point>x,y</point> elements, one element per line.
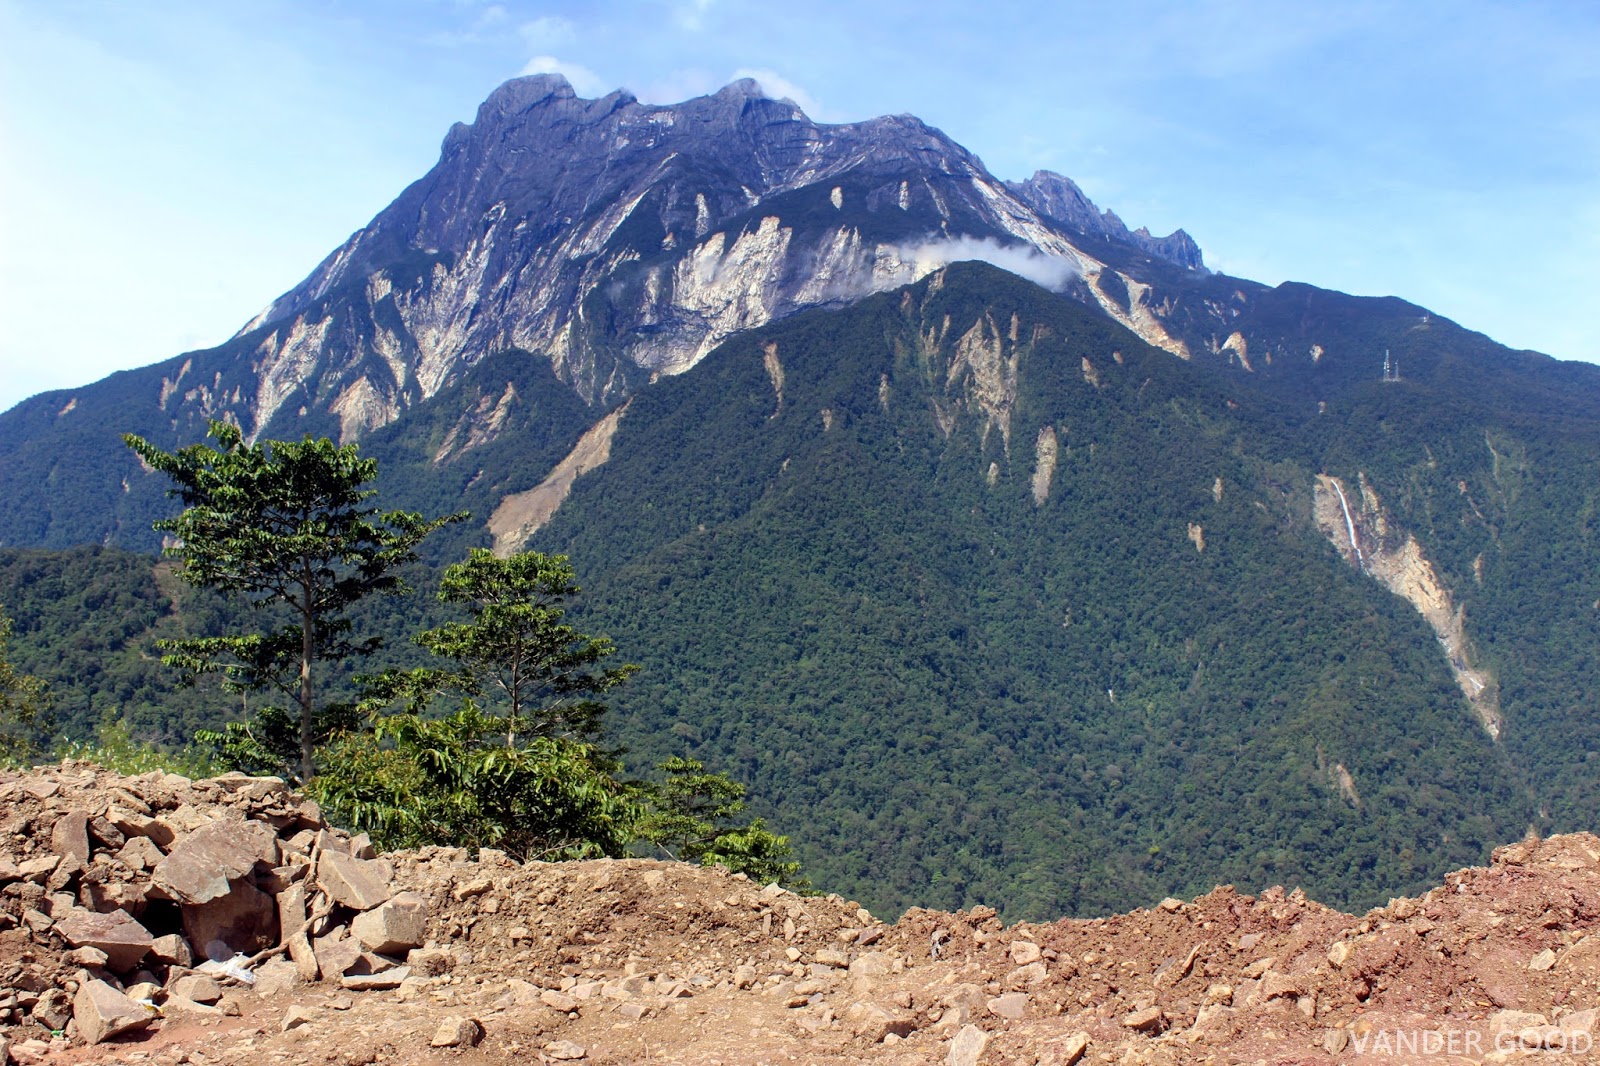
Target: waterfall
<point>1349,525</point>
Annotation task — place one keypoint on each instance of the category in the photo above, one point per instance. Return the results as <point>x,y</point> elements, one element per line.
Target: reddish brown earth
<point>638,961</point>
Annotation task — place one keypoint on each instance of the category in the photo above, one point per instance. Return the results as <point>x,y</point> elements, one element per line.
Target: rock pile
<point>123,900</point>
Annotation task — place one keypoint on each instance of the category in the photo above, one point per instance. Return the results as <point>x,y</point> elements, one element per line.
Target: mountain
<point>615,240</point>
<point>1063,581</point>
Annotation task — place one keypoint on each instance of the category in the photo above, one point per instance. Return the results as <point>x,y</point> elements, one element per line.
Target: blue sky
<point>167,167</point>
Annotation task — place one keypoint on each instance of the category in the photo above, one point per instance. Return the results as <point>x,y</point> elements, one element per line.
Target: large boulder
<point>360,884</point>
<point>101,1012</point>
<point>204,865</point>
<point>394,926</point>
<point>116,933</point>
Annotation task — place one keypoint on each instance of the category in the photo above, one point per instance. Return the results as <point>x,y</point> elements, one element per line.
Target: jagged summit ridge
<point>1058,197</point>
<point>622,239</point>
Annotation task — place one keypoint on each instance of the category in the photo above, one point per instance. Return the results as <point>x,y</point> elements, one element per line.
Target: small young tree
<point>688,818</point>
<point>517,648</point>
<point>24,706</point>
<point>284,523</point>
<point>415,780</point>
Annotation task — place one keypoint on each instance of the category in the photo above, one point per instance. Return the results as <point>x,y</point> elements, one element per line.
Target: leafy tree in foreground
<point>24,706</point>
<point>688,817</point>
<point>452,780</point>
<point>285,523</point>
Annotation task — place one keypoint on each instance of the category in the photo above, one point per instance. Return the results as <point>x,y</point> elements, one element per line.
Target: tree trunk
<point>306,652</point>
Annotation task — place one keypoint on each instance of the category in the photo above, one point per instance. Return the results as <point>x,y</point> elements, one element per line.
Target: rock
<point>203,865</point>
<point>967,1047</point>
<point>394,926</point>
<point>291,903</point>
<point>1011,1006</point>
<point>38,868</point>
<point>831,957</point>
<point>430,962</point>
<point>1545,960</point>
<point>70,835</point>
<point>565,1051</point>
<point>872,1022</point>
<point>361,848</point>
<point>1147,1020</point>
<point>106,833</point>
<point>1027,976</point>
<point>92,958</point>
<point>140,853</point>
<point>458,1032</point>
<point>634,1011</point>
<point>143,990</point>
<point>1335,1041</point>
<point>1171,905</point>
<point>115,896</point>
<point>275,976</point>
<point>475,887</point>
<point>746,977</point>
<point>244,918</point>
<point>295,1017</point>
<point>171,949</point>
<point>558,1001</point>
<point>176,1004</point>
<point>136,824</point>
<point>1260,966</point>
<point>1579,1021</point>
<point>1508,1027</point>
<point>336,956</point>
<point>1276,985</point>
<point>1024,952</point>
<point>360,884</point>
<point>118,934</point>
<point>375,982</point>
<point>1340,953</point>
<point>872,964</point>
<point>1067,1053</point>
<point>197,987</point>
<point>101,1012</point>
<point>54,1009</point>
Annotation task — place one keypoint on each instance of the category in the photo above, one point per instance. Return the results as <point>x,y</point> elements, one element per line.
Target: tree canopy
<point>288,525</point>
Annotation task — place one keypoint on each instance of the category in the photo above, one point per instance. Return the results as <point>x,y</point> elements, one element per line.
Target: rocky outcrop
<point>1366,535</point>
<point>1058,197</point>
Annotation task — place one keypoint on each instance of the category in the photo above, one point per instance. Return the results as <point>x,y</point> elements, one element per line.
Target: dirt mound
<point>171,921</point>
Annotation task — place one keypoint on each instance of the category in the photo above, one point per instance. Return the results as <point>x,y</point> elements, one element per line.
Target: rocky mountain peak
<point>1058,197</point>
<point>621,240</point>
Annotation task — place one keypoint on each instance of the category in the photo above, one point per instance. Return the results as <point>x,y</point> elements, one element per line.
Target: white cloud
<point>778,87</point>
<point>1051,272</point>
<point>585,82</point>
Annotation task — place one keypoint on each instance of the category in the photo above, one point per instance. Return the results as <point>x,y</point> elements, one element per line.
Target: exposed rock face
<point>1367,537</point>
<point>623,240</point>
<point>521,514</point>
<point>1058,197</point>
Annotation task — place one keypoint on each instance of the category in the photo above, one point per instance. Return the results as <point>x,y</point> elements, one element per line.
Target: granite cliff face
<point>623,240</point>
<point>1059,199</point>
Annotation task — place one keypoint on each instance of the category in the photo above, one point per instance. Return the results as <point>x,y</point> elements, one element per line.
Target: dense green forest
<point>948,687</point>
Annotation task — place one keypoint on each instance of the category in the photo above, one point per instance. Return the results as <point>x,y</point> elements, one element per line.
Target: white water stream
<point>1350,526</point>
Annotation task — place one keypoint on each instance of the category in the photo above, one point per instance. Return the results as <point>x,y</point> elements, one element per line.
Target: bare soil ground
<point>638,961</point>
